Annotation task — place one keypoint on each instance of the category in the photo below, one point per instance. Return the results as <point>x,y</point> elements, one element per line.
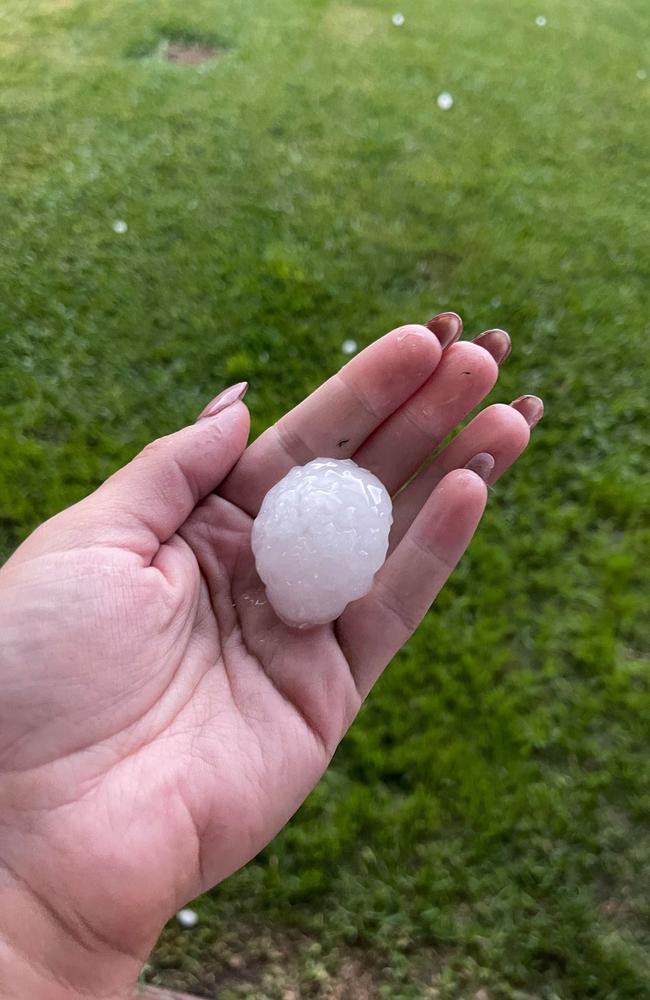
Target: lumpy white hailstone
<point>445,101</point>
<point>319,538</point>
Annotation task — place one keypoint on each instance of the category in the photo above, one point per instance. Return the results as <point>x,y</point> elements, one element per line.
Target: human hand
<point>158,723</point>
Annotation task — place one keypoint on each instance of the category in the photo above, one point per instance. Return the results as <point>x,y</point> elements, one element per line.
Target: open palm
<point>159,723</point>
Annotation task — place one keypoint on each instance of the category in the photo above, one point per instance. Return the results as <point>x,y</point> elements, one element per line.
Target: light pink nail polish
<point>447,327</point>
<point>530,407</point>
<point>225,398</point>
<point>482,464</point>
<point>495,342</point>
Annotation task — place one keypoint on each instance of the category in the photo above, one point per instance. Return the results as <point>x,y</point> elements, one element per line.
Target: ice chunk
<point>187,918</point>
<point>319,538</point>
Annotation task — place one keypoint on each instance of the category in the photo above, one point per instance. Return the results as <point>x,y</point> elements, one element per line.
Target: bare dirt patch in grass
<point>189,54</point>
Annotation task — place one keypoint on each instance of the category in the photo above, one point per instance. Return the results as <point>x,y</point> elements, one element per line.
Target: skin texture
<point>158,723</point>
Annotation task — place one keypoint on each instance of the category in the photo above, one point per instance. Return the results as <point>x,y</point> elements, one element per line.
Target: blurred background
<point>194,194</point>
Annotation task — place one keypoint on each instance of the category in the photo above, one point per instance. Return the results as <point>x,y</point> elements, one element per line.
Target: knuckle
<point>395,603</point>
<point>154,448</point>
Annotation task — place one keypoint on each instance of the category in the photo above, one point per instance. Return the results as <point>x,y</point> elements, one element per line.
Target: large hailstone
<point>319,538</point>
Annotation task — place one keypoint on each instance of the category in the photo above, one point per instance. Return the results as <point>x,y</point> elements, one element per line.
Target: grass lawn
<point>485,829</point>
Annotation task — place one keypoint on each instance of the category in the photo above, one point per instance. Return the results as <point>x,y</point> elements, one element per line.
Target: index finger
<point>338,417</point>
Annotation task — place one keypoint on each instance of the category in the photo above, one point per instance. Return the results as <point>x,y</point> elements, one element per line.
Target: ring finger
<point>501,431</point>
<point>465,375</point>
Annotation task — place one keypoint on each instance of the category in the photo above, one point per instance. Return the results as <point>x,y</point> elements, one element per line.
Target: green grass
<point>485,825</point>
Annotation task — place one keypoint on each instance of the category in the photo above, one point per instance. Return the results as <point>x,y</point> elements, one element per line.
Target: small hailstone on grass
<point>120,226</point>
<point>445,101</point>
<point>349,346</point>
<point>641,74</point>
<point>398,20</point>
<point>187,918</point>
<point>319,538</point>
<point>540,21</point>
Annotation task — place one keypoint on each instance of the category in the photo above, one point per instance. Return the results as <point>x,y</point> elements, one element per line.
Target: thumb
<point>145,502</point>
<point>158,490</point>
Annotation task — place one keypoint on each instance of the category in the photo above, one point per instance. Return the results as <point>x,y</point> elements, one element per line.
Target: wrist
<point>40,959</point>
<point>21,979</point>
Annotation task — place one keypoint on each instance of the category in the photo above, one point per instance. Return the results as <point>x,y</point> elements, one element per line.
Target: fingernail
<point>530,407</point>
<point>447,327</point>
<point>224,399</point>
<point>495,342</point>
<point>482,464</point>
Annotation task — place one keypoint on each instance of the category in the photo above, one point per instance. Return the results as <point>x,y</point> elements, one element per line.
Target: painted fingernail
<point>495,342</point>
<point>447,327</point>
<point>530,407</point>
<point>224,399</point>
<point>482,464</point>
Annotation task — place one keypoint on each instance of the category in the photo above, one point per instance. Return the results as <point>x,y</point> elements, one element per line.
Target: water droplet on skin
<point>398,20</point>
<point>349,346</point>
<point>445,101</point>
<point>540,21</point>
<point>120,226</point>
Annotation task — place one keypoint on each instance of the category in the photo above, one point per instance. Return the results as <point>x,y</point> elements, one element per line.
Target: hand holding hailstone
<point>148,677</point>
